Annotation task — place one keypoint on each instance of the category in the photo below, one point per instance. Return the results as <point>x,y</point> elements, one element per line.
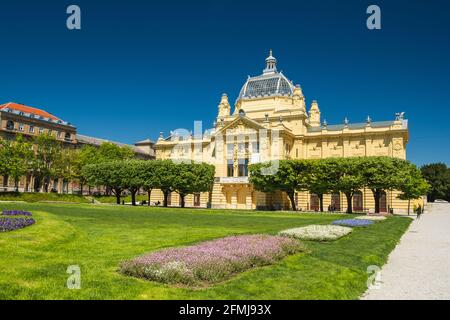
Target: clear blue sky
<point>140,67</point>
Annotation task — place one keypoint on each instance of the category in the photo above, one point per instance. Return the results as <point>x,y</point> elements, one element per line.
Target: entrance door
<point>169,199</point>
<point>383,202</point>
<point>336,202</point>
<point>315,203</point>
<point>358,201</point>
<point>196,199</point>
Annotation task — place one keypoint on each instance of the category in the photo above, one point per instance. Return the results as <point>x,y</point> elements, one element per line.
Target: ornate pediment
<point>241,124</point>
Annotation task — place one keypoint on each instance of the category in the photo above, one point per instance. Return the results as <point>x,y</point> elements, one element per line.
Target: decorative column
<point>248,198</point>
<point>234,195</point>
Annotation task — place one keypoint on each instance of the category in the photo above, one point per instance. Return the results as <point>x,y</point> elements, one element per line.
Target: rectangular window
<point>41,130</point>
<point>59,134</point>
<point>255,147</point>
<point>31,129</point>
<point>243,167</point>
<point>230,151</point>
<point>21,126</point>
<point>230,168</point>
<point>50,131</point>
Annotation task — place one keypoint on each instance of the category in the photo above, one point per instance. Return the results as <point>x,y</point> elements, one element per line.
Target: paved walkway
<point>419,267</point>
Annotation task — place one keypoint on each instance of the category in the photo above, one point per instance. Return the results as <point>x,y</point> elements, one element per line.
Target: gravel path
<point>419,267</point>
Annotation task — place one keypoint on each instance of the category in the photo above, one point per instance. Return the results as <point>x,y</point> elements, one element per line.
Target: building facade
<point>270,121</point>
<point>30,122</point>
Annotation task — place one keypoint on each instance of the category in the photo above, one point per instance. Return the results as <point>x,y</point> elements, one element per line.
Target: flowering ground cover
<point>211,261</point>
<point>16,213</point>
<point>353,222</point>
<point>317,232</point>
<point>372,218</point>
<point>11,224</point>
<point>97,238</point>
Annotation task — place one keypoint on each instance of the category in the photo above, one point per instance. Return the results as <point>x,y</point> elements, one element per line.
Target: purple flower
<point>16,213</point>
<point>211,261</point>
<point>10,224</point>
<point>353,222</point>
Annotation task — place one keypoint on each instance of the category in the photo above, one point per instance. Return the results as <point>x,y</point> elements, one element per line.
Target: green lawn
<point>33,261</point>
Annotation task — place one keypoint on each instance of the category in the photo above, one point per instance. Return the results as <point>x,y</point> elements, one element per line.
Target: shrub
<point>10,224</point>
<point>210,261</point>
<point>372,218</point>
<point>41,196</point>
<point>317,232</point>
<point>16,213</point>
<point>353,222</point>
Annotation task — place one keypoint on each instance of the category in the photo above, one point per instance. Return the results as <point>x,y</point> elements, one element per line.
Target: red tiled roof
<point>26,109</point>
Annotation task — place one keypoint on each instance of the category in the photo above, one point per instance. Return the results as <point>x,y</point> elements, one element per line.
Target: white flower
<point>317,232</point>
<point>373,218</point>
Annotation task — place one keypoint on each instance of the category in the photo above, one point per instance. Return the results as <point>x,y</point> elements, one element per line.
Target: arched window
<point>383,202</point>
<point>358,201</point>
<point>10,125</point>
<point>67,136</point>
<point>314,202</point>
<point>336,202</point>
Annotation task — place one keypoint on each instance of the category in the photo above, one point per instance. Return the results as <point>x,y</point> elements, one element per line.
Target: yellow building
<point>270,121</point>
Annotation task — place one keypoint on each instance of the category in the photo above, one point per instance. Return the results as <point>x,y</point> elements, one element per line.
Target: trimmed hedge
<point>38,197</point>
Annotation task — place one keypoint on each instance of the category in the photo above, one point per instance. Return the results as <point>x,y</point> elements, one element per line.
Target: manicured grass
<point>34,260</point>
<point>39,197</point>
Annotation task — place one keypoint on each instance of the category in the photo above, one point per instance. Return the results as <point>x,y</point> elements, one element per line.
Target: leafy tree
<point>165,175</point>
<point>132,177</point>
<point>149,178</point>
<point>291,176</point>
<point>318,179</point>
<point>48,153</point>
<point>438,177</point>
<point>192,178</point>
<point>108,174</point>
<point>109,151</point>
<point>345,176</point>
<point>20,159</point>
<point>87,154</point>
<point>380,174</point>
<point>15,157</point>
<point>412,185</point>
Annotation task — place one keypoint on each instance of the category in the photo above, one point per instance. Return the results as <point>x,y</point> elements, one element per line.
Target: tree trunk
<point>182,197</point>
<point>133,197</point>
<point>16,185</point>
<point>409,205</point>
<point>320,202</point>
<point>166,195</point>
<point>81,189</point>
<point>349,202</point>
<point>149,193</point>
<point>377,196</point>
<point>292,198</point>
<point>89,191</point>
<point>118,192</point>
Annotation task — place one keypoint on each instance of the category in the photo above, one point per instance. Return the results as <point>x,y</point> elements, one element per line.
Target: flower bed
<point>10,224</point>
<point>372,218</point>
<point>317,232</point>
<point>353,222</point>
<point>16,213</point>
<point>210,261</point>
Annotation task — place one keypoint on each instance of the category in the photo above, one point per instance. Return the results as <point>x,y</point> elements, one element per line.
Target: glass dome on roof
<point>270,83</point>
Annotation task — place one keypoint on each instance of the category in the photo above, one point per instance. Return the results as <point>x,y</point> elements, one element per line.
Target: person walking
<point>419,211</point>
